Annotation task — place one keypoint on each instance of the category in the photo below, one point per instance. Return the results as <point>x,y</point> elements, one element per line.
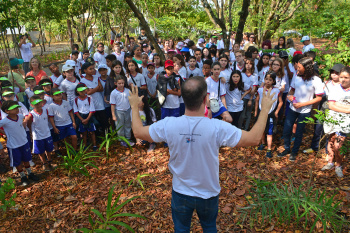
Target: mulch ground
<point>58,203</point>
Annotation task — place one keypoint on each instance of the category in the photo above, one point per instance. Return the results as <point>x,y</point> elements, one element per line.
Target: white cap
<point>70,62</point>
<point>102,66</point>
<point>67,67</point>
<point>305,38</point>
<point>180,45</point>
<point>200,40</point>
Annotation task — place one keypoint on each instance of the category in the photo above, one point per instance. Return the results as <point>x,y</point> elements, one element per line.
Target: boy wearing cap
<point>307,44</point>
<point>42,141</point>
<point>30,83</point>
<point>61,117</point>
<point>46,86</point>
<point>169,87</point>
<point>17,142</point>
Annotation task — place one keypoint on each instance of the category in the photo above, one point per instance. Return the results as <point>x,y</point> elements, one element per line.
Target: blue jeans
<point>182,207</point>
<point>175,112</point>
<point>288,128</point>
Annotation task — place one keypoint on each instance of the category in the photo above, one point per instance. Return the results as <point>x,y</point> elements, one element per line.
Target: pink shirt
<point>38,77</point>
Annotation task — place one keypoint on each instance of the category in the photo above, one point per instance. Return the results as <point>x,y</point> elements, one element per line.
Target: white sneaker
<point>151,147</point>
<point>31,163</point>
<point>131,143</point>
<point>339,172</point>
<point>308,151</point>
<point>14,169</point>
<point>328,166</point>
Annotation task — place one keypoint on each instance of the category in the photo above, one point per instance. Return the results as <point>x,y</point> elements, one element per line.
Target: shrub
<point>4,189</point>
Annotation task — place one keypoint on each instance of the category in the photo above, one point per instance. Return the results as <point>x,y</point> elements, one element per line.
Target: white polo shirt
<point>84,106</point>
<point>251,80</point>
<point>226,73</point>
<point>233,98</point>
<point>262,74</point>
<point>308,47</point>
<point>194,144</point>
<point>100,58</point>
<point>58,80</point>
<point>14,130</point>
<point>39,124</point>
<point>151,82</point>
<point>120,99</point>
<point>305,91</point>
<point>159,69</point>
<point>275,91</point>
<point>212,90</point>
<point>60,113</point>
<point>195,72</point>
<point>97,97</point>
<point>69,88</point>
<point>139,80</point>
<point>26,52</point>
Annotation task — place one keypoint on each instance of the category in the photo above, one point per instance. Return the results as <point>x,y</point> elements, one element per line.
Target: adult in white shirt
<point>307,44</point>
<point>220,44</point>
<point>91,43</point>
<point>26,51</point>
<point>194,143</point>
<point>100,55</point>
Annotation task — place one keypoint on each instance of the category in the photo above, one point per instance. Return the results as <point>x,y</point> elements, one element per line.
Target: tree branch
<point>220,22</point>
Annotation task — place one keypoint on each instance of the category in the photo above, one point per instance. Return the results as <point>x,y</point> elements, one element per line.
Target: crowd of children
<point>90,94</point>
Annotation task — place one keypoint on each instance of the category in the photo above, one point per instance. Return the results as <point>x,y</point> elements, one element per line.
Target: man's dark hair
<point>252,49</point>
<point>75,46</point>
<point>310,54</point>
<point>208,62</point>
<point>297,58</point>
<point>111,57</point>
<point>190,43</point>
<point>86,51</point>
<point>308,65</point>
<point>248,55</point>
<point>193,92</point>
<point>7,104</point>
<point>197,49</point>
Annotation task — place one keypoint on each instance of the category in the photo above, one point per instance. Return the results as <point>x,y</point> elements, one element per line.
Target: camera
<point>27,35</point>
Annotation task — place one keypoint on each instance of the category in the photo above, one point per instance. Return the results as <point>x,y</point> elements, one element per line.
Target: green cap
<point>45,84</point>
<point>13,107</point>
<point>34,102</point>
<point>201,37</point>
<point>11,87</point>
<point>4,79</point>
<point>57,92</point>
<point>29,78</point>
<point>38,92</point>
<point>8,93</point>
<point>214,37</point>
<point>82,88</point>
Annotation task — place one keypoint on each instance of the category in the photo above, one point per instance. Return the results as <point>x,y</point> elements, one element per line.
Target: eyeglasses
<point>252,37</point>
<point>274,64</point>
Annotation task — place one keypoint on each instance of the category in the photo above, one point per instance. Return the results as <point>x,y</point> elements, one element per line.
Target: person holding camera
<point>26,50</point>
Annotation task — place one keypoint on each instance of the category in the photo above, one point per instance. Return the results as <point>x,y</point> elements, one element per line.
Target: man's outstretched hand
<point>134,98</point>
<point>267,100</point>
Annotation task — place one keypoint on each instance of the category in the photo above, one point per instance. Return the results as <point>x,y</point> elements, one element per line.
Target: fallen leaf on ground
<point>89,200</point>
<point>240,192</point>
<point>70,198</point>
<point>226,209</point>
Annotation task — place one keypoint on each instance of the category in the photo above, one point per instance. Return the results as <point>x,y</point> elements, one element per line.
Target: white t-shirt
<point>90,42</point>
<point>139,80</point>
<point>280,82</point>
<point>58,80</point>
<point>308,47</point>
<point>305,91</point>
<point>120,57</point>
<point>26,52</point>
<point>103,82</point>
<point>29,93</point>
<point>48,99</point>
<point>286,77</point>
<point>194,72</point>
<point>69,88</point>
<point>60,113</point>
<point>237,67</point>
<point>200,66</point>
<point>144,70</point>
<point>171,101</point>
<point>220,44</point>
<point>329,87</point>
<point>159,69</point>
<point>342,96</point>
<point>262,74</point>
<point>291,51</point>
<point>251,80</point>
<point>232,57</point>
<point>275,91</point>
<point>212,90</point>
<point>226,74</point>
<point>151,83</point>
<point>233,98</point>
<point>194,144</point>
<point>183,73</point>
<point>22,111</point>
<point>120,99</point>
<point>84,106</point>
<point>100,58</point>
<point>14,130</point>
<point>53,78</point>
<point>39,125</point>
<point>97,97</point>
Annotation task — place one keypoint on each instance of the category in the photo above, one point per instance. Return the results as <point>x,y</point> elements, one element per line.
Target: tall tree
<point>242,19</point>
<point>145,26</point>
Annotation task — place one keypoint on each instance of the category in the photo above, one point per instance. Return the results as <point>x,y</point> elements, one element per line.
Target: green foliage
<point>321,118</point>
<point>78,160</point>
<point>108,221</point>
<point>4,189</point>
<point>110,138</point>
<point>292,206</point>
<point>138,180</point>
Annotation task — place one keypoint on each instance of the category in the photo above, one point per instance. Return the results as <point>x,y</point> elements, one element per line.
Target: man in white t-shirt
<point>194,143</point>
<point>307,44</point>
<point>26,51</point>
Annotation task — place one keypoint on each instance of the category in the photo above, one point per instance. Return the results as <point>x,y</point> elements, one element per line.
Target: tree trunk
<point>42,35</point>
<point>242,19</point>
<point>15,42</point>
<point>70,33</point>
<point>145,26</point>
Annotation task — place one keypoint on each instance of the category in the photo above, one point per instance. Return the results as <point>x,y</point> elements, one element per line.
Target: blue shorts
<point>19,155</point>
<point>89,127</point>
<point>166,112</point>
<point>269,127</point>
<point>108,112</point>
<point>54,136</point>
<point>40,146</point>
<point>66,131</point>
<point>221,111</point>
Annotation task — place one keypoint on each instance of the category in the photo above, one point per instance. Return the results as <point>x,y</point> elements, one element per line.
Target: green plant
<point>290,205</point>
<point>4,189</point>
<point>109,219</point>
<point>78,160</point>
<point>138,179</point>
<point>110,138</point>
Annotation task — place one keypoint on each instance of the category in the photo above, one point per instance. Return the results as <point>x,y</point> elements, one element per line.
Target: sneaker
<point>328,166</point>
<point>261,147</point>
<point>151,147</point>
<point>131,143</point>
<point>33,177</point>
<point>292,156</point>
<point>124,144</point>
<point>269,154</point>
<point>308,151</point>
<point>339,172</point>
<point>31,163</point>
<point>46,167</point>
<point>94,148</point>
<point>24,181</point>
<point>283,153</point>
<point>14,169</point>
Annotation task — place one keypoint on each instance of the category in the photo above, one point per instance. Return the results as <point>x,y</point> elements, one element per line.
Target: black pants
<point>102,121</point>
<point>235,117</point>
